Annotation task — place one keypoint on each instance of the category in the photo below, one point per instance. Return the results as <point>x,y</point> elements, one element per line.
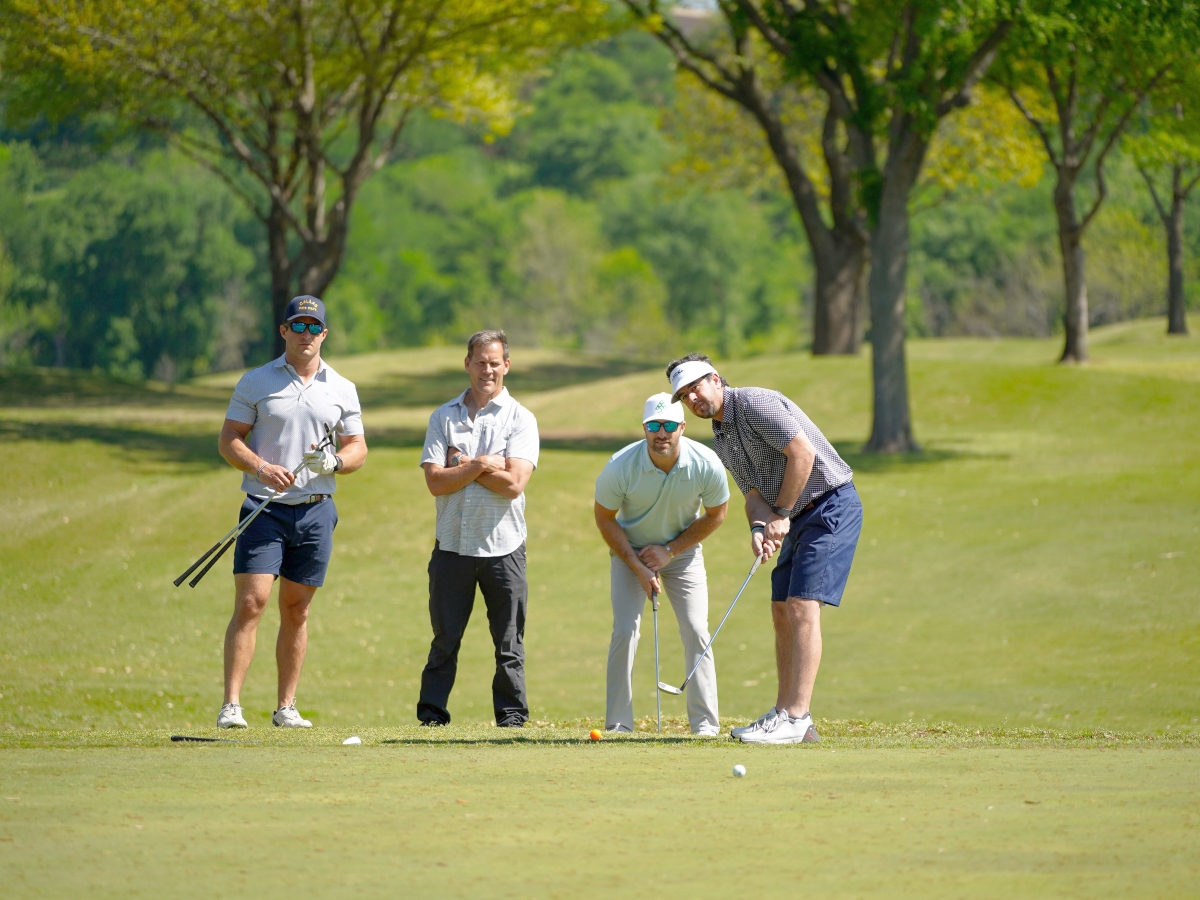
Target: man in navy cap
<point>278,415</point>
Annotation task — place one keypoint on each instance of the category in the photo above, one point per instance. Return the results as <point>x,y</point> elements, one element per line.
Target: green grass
<point>1030,578</point>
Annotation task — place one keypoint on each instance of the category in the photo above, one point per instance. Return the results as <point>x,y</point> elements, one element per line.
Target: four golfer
<point>278,415</point>
<point>801,503</point>
<point>480,449</point>
<point>656,500</point>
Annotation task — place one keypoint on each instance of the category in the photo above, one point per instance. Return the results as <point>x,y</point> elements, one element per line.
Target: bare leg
<point>784,647</point>
<point>251,595</point>
<point>798,624</point>
<point>292,643</point>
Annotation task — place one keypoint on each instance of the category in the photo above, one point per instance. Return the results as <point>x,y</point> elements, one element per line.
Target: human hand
<point>649,579</point>
<point>777,528</point>
<point>762,547</point>
<point>320,462</point>
<point>491,462</point>
<point>276,477</point>
<point>655,557</point>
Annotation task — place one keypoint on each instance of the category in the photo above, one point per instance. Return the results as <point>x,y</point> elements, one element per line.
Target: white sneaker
<point>707,731</point>
<point>231,716</point>
<point>619,729</point>
<point>757,723</point>
<point>783,729</point>
<point>287,717</point>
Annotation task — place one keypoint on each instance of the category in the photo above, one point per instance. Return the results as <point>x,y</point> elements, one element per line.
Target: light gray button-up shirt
<point>288,416</point>
<point>476,521</point>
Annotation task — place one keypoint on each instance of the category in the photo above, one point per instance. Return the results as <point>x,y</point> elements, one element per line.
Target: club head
<point>669,688</point>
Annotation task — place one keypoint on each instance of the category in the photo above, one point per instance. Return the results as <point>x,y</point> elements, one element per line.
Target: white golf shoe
<point>757,723</point>
<point>287,717</point>
<point>231,716</point>
<point>783,729</point>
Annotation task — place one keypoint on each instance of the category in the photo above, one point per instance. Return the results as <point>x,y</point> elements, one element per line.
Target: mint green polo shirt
<point>655,506</point>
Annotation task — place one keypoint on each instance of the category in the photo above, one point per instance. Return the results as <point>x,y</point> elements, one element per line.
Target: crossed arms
<point>504,476</point>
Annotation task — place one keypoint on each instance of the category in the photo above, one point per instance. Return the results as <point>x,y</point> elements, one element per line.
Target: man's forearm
<point>700,529</point>
<point>353,453</point>
<point>238,454</point>
<point>758,510</point>
<point>800,459</point>
<point>446,480</point>
<point>614,536</point>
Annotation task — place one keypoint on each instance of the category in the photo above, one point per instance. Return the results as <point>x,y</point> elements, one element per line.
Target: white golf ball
<point>739,771</point>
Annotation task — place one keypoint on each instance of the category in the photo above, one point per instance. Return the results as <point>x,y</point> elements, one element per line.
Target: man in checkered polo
<point>802,505</point>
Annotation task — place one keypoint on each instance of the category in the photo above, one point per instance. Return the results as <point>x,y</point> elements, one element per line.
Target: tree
<point>1171,145</point>
<point>889,72</point>
<point>726,55</point>
<point>1078,72</point>
<point>294,103</point>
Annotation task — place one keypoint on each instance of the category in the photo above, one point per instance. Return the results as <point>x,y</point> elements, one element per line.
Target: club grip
<point>212,562</point>
<point>192,568</point>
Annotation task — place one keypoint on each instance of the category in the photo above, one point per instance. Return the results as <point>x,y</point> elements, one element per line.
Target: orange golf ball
<point>595,735</point>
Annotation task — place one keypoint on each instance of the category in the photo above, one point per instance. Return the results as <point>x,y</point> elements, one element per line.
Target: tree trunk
<point>1070,242</point>
<point>281,273</point>
<point>837,309</point>
<point>891,426</point>
<point>1176,307</point>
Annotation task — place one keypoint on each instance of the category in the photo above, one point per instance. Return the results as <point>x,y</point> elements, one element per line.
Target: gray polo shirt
<point>287,417</point>
<point>654,507</point>
<point>476,521</point>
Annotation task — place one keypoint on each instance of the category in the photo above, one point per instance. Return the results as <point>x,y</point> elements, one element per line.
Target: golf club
<point>657,696</point>
<point>232,536</point>
<point>671,689</point>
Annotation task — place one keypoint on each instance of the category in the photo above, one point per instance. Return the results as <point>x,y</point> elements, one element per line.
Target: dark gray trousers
<point>452,581</point>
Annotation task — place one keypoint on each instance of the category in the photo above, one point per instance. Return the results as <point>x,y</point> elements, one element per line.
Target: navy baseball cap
<point>305,305</point>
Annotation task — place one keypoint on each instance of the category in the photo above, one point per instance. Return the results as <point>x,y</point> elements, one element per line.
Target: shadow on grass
<point>57,388</point>
<point>187,447</point>
<point>639,740</point>
<point>408,438</point>
<point>437,387</point>
<point>861,461</point>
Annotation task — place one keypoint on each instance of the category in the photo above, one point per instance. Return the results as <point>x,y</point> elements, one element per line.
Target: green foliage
<point>121,267</point>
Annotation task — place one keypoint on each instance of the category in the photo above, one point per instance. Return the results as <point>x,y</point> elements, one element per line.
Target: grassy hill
<point>1035,565</point>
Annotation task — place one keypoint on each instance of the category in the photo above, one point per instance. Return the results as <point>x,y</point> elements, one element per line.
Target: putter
<point>232,536</point>
<point>671,689</point>
<point>657,696</point>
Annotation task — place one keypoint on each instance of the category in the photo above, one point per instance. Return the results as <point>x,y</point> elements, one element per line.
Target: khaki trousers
<point>686,586</point>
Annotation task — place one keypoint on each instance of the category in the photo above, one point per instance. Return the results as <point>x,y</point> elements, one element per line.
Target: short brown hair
<point>491,336</point>
<point>693,357</point>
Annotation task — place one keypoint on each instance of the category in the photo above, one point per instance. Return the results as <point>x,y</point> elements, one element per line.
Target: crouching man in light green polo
<point>656,500</point>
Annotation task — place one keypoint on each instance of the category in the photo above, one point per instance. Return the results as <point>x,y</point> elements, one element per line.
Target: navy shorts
<point>292,541</point>
<point>814,561</point>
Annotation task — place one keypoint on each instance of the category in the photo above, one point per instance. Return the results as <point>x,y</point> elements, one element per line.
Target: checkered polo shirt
<point>758,424</point>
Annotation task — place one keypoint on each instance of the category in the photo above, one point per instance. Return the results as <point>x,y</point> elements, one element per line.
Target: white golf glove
<point>320,462</point>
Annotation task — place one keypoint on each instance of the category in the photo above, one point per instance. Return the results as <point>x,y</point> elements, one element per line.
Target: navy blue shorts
<point>292,541</point>
<point>814,561</point>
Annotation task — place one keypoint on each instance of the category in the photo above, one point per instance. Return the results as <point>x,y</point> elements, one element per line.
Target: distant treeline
<point>576,229</point>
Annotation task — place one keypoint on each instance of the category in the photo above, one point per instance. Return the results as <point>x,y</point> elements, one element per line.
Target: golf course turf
<point>1008,701</point>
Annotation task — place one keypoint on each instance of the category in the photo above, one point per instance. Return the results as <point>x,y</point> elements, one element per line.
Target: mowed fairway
<point>1032,577</point>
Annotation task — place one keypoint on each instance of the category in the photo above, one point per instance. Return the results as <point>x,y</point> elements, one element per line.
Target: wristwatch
<point>781,511</point>
<point>337,465</point>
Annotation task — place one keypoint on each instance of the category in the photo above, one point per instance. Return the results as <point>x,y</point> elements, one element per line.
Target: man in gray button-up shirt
<point>480,450</point>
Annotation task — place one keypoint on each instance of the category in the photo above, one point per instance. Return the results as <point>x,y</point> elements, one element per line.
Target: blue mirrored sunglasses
<point>310,327</point>
<point>669,427</point>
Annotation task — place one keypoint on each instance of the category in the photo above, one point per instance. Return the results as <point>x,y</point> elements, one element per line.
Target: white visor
<point>685,373</point>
